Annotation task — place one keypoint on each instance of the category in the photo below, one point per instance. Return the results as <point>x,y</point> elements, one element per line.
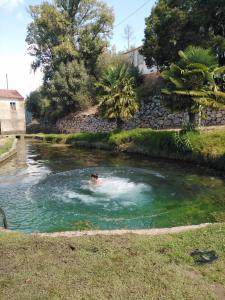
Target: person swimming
<point>94,179</point>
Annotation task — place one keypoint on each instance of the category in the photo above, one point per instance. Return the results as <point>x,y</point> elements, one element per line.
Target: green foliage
<point>87,137</point>
<point>91,27</point>
<point>183,143</point>
<point>69,89</point>
<point>192,82</point>
<point>118,97</point>
<point>48,32</point>
<point>66,39</point>
<point>176,24</point>
<point>75,137</point>
<point>34,103</point>
<point>123,137</point>
<point>6,145</point>
<point>68,30</point>
<point>108,59</point>
<point>154,141</point>
<point>198,55</point>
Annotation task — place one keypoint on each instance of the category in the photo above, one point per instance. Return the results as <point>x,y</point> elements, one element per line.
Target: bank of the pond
<point>145,232</point>
<point>206,147</point>
<point>7,148</point>
<point>119,267</point>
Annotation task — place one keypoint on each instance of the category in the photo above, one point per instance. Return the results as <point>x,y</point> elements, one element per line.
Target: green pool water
<point>46,188</point>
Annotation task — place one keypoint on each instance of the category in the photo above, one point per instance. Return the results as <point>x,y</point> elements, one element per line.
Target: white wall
<point>138,60</point>
<point>12,121</point>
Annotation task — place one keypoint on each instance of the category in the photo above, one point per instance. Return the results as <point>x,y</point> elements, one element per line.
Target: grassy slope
<point>205,146</point>
<point>6,146</point>
<point>126,267</point>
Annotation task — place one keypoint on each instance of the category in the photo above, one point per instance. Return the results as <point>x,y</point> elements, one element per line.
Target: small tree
<point>192,83</point>
<point>33,103</point>
<point>118,97</point>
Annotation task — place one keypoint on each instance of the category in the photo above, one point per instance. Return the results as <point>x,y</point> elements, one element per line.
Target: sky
<point>14,18</point>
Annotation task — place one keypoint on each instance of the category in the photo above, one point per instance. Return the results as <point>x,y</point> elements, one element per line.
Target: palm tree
<point>118,97</point>
<point>192,83</point>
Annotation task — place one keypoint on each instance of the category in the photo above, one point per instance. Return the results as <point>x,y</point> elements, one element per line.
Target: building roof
<point>10,94</point>
<point>133,49</point>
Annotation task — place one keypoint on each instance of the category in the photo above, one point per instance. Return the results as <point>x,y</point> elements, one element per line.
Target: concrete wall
<point>151,115</point>
<point>12,121</point>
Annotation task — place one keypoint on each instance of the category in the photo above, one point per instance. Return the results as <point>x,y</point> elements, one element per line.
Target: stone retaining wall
<point>151,115</point>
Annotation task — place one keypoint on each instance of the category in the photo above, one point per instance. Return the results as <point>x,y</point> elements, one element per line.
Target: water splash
<point>112,191</point>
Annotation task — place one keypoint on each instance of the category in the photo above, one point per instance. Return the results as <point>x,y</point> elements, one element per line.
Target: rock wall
<point>151,115</point>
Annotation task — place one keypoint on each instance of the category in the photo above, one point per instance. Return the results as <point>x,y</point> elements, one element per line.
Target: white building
<point>12,113</point>
<point>138,60</point>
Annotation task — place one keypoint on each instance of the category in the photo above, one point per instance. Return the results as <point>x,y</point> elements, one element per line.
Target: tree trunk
<point>119,124</point>
<point>195,119</point>
<point>191,119</point>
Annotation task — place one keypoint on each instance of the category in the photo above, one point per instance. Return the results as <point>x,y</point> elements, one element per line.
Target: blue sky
<point>14,18</point>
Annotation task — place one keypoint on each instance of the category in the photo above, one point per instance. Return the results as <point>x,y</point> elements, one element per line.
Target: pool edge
<point>118,232</point>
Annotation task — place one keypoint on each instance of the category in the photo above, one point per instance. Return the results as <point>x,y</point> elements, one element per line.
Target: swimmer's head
<point>94,178</point>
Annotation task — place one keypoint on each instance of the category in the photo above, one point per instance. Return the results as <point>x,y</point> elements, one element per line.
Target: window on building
<point>13,105</point>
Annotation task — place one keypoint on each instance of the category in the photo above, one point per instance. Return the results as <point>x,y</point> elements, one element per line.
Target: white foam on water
<point>112,192</point>
<point>115,187</point>
<point>69,196</point>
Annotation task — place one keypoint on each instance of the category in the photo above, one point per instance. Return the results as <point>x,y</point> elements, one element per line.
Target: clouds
<point>10,4</point>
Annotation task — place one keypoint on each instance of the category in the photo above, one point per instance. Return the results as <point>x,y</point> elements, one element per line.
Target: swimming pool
<point>46,189</point>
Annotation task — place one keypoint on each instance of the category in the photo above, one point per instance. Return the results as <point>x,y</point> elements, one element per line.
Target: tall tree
<point>65,38</point>
<point>48,38</point>
<point>176,24</point>
<point>68,30</point>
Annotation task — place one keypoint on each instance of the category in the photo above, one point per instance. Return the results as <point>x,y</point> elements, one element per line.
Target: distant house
<point>12,112</point>
<point>138,60</point>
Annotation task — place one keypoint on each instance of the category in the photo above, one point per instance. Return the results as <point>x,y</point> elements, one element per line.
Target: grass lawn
<point>121,267</point>
<point>5,145</point>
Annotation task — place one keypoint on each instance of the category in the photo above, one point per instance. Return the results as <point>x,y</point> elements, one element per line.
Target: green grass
<point>71,138</point>
<point>6,146</point>
<point>206,147</point>
<point>125,267</point>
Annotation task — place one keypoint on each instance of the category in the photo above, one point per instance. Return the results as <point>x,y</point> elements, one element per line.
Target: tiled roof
<point>10,94</point>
